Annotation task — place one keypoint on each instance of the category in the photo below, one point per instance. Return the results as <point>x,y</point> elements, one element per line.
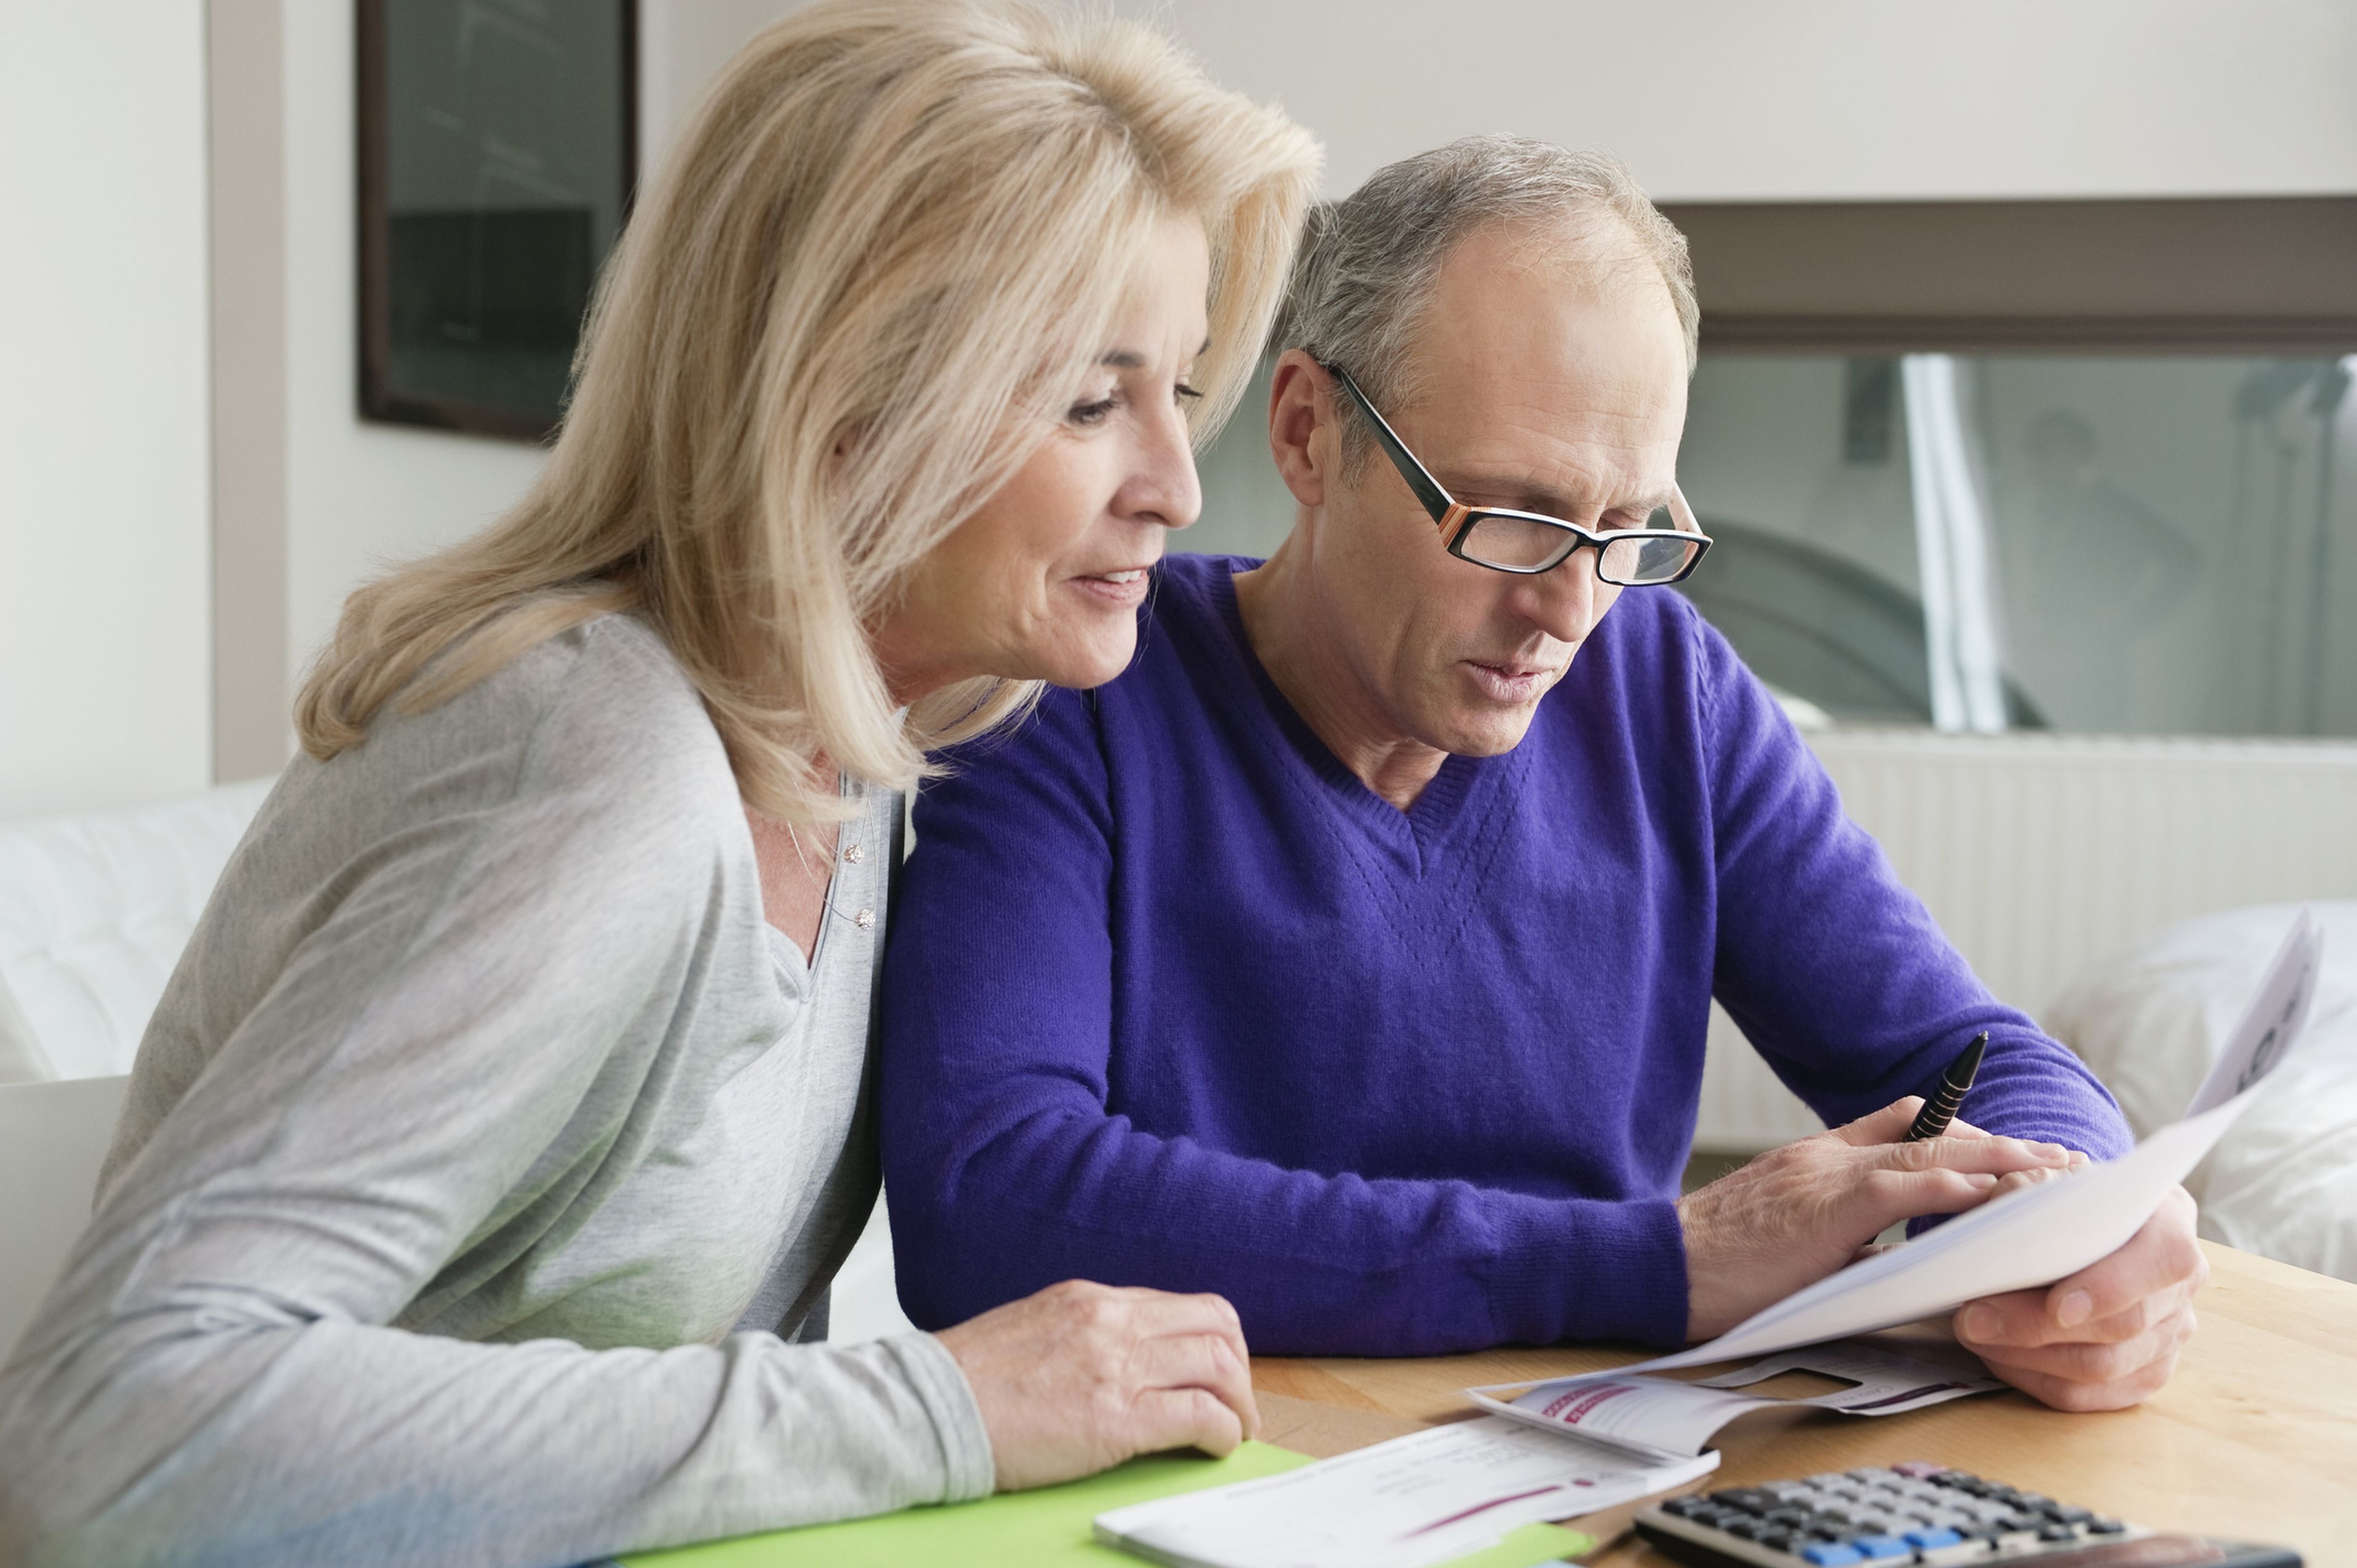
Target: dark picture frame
<point>498,160</point>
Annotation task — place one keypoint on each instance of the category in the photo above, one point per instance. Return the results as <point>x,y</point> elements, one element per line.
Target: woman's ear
<point>1302,435</point>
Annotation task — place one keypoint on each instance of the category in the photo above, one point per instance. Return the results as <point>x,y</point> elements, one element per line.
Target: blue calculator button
<point>1874,1547</point>
<point>1933,1540</point>
<point>1826,1556</point>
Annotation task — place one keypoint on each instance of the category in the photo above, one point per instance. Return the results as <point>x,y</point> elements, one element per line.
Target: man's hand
<point>1081,1376</point>
<point>2108,1336</point>
<point>1796,1214</point>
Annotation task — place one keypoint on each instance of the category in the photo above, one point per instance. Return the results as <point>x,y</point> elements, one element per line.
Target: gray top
<point>482,1137</point>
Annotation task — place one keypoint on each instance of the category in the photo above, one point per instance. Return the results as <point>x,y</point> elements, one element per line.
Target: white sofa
<point>94,910</point>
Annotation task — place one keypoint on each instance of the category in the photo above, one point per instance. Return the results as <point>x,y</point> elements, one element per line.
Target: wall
<point>1728,100</point>
<point>103,404</point>
<point>681,44</point>
<point>246,150</point>
<point>1725,100</point>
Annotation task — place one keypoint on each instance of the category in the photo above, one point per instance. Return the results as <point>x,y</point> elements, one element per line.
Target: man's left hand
<point>2108,1336</point>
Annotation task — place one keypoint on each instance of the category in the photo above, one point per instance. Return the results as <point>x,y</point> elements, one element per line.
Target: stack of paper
<point>1428,1497</point>
<point>1665,1420</point>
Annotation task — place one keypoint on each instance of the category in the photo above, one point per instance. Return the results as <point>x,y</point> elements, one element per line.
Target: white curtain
<point>1952,544</point>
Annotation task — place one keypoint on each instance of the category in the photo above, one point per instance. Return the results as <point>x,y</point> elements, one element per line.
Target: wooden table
<point>2256,1436</point>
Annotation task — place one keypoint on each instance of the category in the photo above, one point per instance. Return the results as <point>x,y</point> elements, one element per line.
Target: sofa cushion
<point>94,909</point>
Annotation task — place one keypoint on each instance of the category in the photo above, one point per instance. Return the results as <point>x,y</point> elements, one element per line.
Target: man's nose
<point>1163,487</point>
<point>1565,601</point>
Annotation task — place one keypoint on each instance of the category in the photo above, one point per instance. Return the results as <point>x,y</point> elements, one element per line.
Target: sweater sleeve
<point>1836,974</point>
<point>215,1378</point>
<point>1006,1171</point>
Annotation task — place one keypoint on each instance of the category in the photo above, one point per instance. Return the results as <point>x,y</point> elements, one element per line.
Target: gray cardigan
<point>483,1146</point>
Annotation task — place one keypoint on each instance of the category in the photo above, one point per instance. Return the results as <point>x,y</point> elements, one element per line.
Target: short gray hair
<point>1368,261</point>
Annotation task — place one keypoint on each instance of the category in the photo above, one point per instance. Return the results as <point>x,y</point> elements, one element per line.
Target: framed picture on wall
<point>497,151</point>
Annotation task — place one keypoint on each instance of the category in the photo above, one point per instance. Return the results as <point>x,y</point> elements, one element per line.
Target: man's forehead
<point>1491,301</point>
<point>1575,426</point>
<point>1530,328</point>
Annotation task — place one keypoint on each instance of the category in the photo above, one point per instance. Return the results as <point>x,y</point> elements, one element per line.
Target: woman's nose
<point>1164,487</point>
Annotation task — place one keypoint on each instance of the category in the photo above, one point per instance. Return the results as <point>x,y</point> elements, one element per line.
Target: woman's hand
<point>1082,1376</point>
<point>1796,1214</point>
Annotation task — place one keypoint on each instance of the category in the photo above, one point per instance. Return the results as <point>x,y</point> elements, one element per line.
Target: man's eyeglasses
<point>1529,542</point>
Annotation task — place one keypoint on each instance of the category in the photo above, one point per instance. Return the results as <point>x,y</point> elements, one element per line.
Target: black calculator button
<point>2106,1527</point>
<point>1684,1507</point>
<point>2057,1533</point>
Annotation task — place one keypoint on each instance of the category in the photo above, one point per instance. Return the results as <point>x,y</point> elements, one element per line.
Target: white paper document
<point>1422,1498</point>
<point>2041,1233</point>
<point>1665,1420</point>
<point>2272,1023</point>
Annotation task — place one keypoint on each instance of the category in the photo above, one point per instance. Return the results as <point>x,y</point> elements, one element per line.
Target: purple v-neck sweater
<point>1172,999</point>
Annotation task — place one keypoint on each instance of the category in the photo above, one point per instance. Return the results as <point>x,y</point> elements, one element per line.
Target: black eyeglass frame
<point>1456,519</point>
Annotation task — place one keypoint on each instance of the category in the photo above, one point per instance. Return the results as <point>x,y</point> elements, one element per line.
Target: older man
<point>1350,955</point>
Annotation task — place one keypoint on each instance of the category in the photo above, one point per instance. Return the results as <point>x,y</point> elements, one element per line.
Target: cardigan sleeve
<point>1006,1171</point>
<point>1836,972</point>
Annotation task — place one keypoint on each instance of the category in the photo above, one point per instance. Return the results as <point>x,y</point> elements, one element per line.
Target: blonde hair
<point>879,261</point>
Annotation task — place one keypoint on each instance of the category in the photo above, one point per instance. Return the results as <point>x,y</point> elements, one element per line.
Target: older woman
<point>488,1158</point>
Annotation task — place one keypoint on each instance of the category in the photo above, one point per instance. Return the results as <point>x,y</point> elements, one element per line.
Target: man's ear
<point>1302,436</point>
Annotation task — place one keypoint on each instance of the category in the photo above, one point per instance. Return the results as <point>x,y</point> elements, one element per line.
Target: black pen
<point>1941,1108</point>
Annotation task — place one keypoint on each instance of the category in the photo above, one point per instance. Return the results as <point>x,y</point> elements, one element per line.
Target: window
<point>2135,544</point>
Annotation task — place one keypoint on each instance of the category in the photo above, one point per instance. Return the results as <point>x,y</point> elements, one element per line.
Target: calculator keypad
<point>1915,1512</point>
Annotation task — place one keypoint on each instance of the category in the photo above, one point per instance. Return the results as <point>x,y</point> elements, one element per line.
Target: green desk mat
<point>1043,1529</point>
